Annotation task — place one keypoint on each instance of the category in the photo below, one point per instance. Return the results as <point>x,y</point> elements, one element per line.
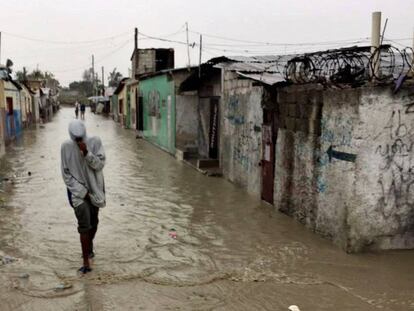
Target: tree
<point>21,75</point>
<point>114,78</point>
<point>48,79</point>
<point>85,87</point>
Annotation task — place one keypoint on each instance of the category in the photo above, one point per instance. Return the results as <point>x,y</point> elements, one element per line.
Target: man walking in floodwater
<point>83,160</point>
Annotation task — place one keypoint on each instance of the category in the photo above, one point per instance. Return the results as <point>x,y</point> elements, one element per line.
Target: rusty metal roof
<point>268,69</point>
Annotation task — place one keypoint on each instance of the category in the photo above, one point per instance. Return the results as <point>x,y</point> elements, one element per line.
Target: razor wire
<point>351,65</point>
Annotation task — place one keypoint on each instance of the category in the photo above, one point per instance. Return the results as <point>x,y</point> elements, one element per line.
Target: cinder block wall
<point>240,132</point>
<point>343,164</point>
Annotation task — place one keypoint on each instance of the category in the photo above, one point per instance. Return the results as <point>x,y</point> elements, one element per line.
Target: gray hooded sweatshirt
<point>83,174</point>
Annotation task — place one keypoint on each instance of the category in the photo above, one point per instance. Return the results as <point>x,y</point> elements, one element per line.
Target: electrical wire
<point>98,61</point>
<point>65,42</point>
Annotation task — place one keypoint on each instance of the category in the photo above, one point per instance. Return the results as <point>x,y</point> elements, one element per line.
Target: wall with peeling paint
<point>384,187</point>
<point>240,132</point>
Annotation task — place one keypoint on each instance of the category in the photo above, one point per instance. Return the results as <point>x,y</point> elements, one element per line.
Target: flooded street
<point>231,252</point>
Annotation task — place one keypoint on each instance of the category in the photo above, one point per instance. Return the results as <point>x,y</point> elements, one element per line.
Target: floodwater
<point>232,252</point>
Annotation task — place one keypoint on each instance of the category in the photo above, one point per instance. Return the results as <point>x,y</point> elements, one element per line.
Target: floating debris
<point>172,233</point>
<point>7,259</point>
<point>63,286</point>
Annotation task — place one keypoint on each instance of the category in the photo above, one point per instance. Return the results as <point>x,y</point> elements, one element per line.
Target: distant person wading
<point>82,110</point>
<point>83,159</point>
<point>77,109</point>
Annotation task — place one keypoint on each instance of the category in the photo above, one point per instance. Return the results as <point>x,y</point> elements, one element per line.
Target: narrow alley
<point>231,251</point>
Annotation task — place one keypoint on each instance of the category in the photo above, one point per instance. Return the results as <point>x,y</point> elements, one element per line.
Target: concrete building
<point>169,118</point>
<point>206,85</point>
<point>121,109</point>
<point>10,101</point>
<point>246,131</point>
<point>26,98</point>
<point>145,61</point>
<point>334,155</point>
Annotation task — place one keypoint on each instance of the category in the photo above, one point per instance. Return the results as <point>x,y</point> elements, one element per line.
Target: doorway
<point>214,128</point>
<point>269,135</point>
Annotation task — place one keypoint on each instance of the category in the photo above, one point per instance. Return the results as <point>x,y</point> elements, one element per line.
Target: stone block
<point>281,123</point>
<point>302,125</point>
<point>294,111</point>
<point>290,124</point>
<point>303,110</point>
<point>283,109</point>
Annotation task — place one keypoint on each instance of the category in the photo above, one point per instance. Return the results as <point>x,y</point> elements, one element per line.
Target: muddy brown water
<point>232,252</point>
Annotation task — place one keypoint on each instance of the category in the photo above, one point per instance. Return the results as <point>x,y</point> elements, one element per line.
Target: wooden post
<point>93,76</point>
<point>136,63</point>
<point>188,46</point>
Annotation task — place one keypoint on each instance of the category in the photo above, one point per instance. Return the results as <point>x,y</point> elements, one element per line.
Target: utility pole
<point>135,70</point>
<point>0,47</point>
<point>199,61</point>
<point>93,75</point>
<point>188,45</point>
<point>103,82</point>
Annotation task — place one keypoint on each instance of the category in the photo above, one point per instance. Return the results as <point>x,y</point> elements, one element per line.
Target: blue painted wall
<point>13,124</point>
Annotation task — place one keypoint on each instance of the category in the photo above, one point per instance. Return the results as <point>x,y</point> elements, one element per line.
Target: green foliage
<point>114,78</point>
<point>85,87</point>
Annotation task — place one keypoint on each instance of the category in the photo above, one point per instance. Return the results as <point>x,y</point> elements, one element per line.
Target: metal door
<point>213,133</point>
<point>11,131</point>
<point>140,114</point>
<point>268,156</point>
<point>128,112</point>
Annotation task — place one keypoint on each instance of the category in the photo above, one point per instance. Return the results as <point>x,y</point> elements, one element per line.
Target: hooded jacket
<point>83,174</point>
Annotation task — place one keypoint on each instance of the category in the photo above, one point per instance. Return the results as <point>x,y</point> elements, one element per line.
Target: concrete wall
<point>2,118</point>
<point>133,115</point>
<point>36,107</point>
<point>159,111</point>
<point>186,121</point>
<point>146,62</point>
<point>122,103</point>
<point>343,164</point>
<point>26,106</point>
<point>241,118</point>
<point>13,122</point>
<point>384,214</point>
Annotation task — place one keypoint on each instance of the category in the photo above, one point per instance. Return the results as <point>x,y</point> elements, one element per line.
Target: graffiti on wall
<point>154,103</point>
<point>234,113</point>
<point>247,138</point>
<point>247,145</point>
<point>396,178</point>
<point>336,131</point>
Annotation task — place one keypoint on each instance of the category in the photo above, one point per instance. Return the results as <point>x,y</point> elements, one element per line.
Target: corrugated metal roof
<point>268,69</point>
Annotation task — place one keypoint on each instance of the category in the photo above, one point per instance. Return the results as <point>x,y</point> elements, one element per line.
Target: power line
<point>96,62</point>
<point>279,43</point>
<point>64,42</point>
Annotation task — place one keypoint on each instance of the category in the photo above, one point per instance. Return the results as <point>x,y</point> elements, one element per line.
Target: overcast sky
<point>60,36</point>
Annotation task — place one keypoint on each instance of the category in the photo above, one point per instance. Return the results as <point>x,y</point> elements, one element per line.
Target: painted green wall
<point>159,111</point>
